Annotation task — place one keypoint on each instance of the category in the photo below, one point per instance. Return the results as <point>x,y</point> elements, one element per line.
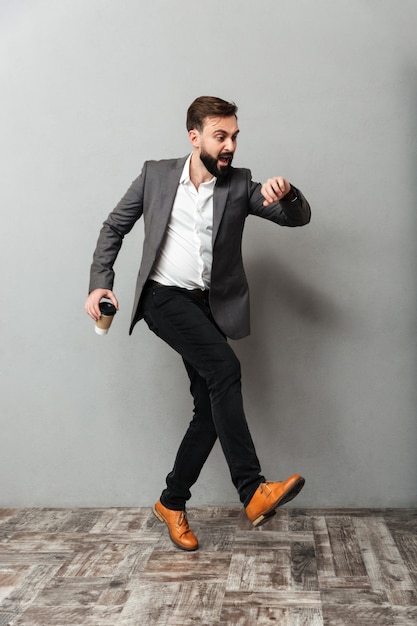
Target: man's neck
<point>198,172</point>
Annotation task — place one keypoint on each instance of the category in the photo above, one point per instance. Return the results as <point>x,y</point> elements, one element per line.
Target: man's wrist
<point>291,196</point>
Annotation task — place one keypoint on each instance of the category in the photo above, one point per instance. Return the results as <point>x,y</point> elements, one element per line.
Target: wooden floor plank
<point>166,566</point>
<point>323,548</point>
<point>201,603</point>
<point>345,548</point>
<point>303,566</point>
<point>389,572</point>
<point>150,603</point>
<point>259,570</point>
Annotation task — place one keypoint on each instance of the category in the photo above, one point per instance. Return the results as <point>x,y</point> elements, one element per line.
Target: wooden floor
<point>106,567</point>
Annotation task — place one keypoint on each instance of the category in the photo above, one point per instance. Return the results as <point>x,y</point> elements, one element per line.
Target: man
<point>192,292</point>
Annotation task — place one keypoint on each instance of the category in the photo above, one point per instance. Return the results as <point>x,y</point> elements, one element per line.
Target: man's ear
<point>194,137</point>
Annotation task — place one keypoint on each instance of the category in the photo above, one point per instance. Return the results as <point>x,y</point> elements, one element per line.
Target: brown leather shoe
<point>270,496</point>
<point>177,523</point>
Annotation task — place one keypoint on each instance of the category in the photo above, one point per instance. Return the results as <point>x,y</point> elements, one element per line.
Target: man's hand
<point>93,300</point>
<point>275,189</point>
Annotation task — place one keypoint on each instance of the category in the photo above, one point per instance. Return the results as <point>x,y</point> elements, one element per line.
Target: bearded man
<point>192,292</point>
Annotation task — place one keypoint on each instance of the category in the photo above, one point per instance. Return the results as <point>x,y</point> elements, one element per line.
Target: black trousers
<point>182,318</point>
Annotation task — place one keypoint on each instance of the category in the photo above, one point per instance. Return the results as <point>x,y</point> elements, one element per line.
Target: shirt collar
<point>185,176</point>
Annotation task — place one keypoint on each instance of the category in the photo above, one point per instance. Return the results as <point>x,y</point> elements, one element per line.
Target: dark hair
<point>208,106</point>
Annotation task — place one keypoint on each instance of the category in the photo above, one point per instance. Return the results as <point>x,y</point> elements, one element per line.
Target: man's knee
<point>225,372</point>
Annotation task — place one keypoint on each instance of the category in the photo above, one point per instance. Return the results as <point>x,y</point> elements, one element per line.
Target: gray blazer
<point>235,197</point>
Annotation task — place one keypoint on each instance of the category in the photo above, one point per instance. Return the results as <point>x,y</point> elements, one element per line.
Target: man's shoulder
<point>240,174</point>
<point>240,171</point>
<point>162,164</point>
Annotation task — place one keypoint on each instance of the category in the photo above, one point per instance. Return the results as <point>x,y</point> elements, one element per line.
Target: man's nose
<point>229,145</point>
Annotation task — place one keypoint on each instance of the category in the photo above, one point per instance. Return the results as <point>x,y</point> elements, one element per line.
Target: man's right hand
<point>93,300</point>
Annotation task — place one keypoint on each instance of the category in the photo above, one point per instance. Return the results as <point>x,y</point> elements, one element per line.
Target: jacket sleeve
<point>285,212</point>
<point>118,224</point>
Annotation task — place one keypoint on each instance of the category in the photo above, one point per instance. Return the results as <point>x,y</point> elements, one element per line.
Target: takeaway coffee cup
<point>108,311</point>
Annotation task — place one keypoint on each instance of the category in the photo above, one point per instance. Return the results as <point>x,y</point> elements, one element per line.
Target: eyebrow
<point>224,132</point>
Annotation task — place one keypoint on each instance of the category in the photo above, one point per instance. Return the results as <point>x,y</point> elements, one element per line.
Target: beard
<point>214,166</point>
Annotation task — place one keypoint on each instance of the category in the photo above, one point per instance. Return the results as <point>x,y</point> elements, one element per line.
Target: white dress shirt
<point>186,255</point>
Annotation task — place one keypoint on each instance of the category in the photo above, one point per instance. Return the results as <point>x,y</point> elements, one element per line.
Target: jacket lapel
<point>221,192</point>
<point>168,190</point>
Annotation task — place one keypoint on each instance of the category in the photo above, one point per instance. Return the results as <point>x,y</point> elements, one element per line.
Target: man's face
<point>217,144</point>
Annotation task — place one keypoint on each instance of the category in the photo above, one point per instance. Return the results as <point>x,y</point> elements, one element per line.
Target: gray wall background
<point>327,97</point>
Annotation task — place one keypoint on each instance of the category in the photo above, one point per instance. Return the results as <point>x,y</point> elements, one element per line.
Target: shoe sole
<point>162,519</point>
<point>286,497</point>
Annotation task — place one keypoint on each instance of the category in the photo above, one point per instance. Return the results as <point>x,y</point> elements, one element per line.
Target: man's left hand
<point>275,189</point>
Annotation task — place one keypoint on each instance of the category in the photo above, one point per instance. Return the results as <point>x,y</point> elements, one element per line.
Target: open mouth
<point>225,160</point>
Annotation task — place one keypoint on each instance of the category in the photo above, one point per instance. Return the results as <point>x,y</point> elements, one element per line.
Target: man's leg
<point>184,322</point>
<point>195,447</point>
